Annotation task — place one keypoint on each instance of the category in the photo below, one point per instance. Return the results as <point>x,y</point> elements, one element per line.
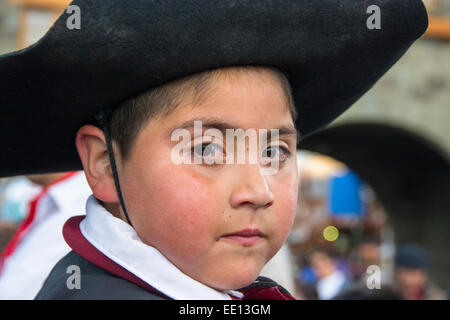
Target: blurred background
<point>374,186</point>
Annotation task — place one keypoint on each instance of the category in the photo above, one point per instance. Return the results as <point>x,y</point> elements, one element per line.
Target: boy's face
<point>186,211</point>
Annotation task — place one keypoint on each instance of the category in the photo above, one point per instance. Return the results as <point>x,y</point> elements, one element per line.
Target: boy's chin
<point>234,281</point>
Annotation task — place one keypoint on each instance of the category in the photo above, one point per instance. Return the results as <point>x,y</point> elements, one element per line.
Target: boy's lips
<point>246,236</point>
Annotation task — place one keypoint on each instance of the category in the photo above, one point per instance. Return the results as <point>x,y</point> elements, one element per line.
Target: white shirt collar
<point>120,243</point>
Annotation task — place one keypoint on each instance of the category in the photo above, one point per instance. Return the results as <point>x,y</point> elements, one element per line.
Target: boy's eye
<point>208,153</point>
<point>275,153</point>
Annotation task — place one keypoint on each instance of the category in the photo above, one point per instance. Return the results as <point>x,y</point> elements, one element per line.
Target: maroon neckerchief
<point>75,239</point>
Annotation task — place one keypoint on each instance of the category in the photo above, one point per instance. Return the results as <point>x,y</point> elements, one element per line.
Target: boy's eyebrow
<point>222,126</point>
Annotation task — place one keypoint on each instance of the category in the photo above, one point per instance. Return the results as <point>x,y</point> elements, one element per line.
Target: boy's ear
<point>92,149</point>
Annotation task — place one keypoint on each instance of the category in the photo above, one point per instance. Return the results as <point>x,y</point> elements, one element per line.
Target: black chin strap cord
<point>102,119</point>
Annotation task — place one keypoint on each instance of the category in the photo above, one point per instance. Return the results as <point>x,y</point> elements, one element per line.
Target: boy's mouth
<point>246,237</point>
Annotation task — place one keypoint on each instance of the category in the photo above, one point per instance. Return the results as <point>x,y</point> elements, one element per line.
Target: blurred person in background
<point>365,254</point>
<point>330,280</point>
<point>412,268</point>
<point>15,196</point>
<point>38,244</point>
<point>305,282</point>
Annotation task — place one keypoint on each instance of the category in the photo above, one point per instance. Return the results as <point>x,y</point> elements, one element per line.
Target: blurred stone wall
<point>414,94</point>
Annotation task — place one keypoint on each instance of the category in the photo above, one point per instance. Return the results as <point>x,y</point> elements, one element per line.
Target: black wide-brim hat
<point>53,87</point>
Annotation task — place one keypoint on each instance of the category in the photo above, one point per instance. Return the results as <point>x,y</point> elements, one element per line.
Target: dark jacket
<point>96,283</point>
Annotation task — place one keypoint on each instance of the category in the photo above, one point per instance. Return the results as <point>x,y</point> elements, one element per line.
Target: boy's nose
<point>251,188</point>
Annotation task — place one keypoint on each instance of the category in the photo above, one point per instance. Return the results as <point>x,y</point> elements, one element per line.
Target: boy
<point>174,214</point>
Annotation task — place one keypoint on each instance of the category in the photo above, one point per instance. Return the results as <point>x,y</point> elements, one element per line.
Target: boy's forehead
<point>234,116</point>
<point>283,127</point>
<point>239,98</point>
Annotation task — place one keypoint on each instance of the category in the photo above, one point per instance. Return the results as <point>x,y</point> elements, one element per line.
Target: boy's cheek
<point>173,203</point>
<point>286,193</point>
<point>191,204</point>
<point>284,211</point>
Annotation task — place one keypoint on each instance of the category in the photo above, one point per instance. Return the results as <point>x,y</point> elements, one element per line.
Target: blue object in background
<point>307,276</point>
<point>345,195</point>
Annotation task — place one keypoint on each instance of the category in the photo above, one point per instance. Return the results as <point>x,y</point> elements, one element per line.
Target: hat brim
<point>52,88</point>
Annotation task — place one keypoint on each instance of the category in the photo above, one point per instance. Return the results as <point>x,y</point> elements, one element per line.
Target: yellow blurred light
<point>330,233</point>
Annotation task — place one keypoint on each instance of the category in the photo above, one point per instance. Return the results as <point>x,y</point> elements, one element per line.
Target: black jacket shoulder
<point>95,283</point>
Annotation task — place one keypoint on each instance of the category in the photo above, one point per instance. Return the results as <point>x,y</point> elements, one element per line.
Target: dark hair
<point>132,115</point>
